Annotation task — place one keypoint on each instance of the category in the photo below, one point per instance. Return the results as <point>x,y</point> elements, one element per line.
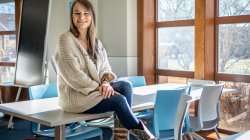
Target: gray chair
<point>197,84</point>
<point>183,106</point>
<point>208,110</point>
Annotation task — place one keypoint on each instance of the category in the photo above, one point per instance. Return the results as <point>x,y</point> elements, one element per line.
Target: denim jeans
<point>120,104</point>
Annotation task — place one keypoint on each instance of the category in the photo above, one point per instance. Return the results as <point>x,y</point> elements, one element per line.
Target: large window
<point>233,38</point>
<point>7,39</point>
<point>233,62</point>
<point>175,38</point>
<point>203,40</point>
<point>176,48</point>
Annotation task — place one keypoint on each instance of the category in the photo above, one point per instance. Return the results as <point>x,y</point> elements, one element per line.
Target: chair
<point>196,84</point>
<point>208,110</point>
<point>136,81</point>
<point>183,106</point>
<point>73,131</point>
<point>165,110</point>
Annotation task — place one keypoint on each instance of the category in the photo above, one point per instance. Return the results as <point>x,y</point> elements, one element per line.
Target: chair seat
<point>104,122</point>
<point>207,125</point>
<point>168,134</point>
<point>73,132</point>
<point>146,114</point>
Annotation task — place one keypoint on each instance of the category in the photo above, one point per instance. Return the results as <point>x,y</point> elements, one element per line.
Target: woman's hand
<point>106,90</point>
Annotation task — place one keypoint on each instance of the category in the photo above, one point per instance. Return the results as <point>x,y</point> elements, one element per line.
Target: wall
<point>117,22</point>
<point>59,23</point>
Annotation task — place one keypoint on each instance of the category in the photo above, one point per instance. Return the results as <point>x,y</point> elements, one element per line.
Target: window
<point>175,38</point>
<point>216,47</point>
<point>233,43</point>
<point>7,39</point>
<point>233,62</point>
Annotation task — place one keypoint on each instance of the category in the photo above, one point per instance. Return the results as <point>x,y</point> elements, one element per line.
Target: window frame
<point>166,24</point>
<point>17,19</point>
<point>228,20</point>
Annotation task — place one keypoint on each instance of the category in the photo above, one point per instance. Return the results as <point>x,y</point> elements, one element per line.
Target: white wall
<point>59,23</point>
<point>117,29</point>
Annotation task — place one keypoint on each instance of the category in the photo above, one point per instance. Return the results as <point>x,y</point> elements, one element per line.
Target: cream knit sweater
<point>78,76</point>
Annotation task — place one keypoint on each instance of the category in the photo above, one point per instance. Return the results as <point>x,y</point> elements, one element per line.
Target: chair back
<point>136,81</point>
<point>208,109</point>
<point>43,91</point>
<point>53,63</point>
<point>197,82</point>
<point>165,108</point>
<point>183,106</point>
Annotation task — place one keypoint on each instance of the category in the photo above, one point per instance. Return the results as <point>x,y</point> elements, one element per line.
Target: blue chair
<point>136,81</point>
<point>165,110</point>
<point>72,132</point>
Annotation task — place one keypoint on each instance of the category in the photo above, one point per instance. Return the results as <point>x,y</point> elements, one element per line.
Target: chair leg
<point>190,136</point>
<point>217,133</point>
<point>101,137</point>
<point>184,137</point>
<point>196,136</point>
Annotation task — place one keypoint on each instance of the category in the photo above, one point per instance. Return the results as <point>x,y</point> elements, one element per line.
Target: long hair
<point>91,31</point>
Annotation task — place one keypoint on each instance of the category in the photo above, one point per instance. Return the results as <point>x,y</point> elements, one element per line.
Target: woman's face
<point>81,17</point>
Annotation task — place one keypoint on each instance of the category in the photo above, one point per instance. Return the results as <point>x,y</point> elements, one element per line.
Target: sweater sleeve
<point>70,70</point>
<point>106,69</point>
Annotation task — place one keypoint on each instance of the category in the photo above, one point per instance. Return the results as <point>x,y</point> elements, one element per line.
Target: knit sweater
<point>77,76</point>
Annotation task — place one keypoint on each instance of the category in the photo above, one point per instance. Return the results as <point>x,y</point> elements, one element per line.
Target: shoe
<point>142,134</point>
<point>120,132</point>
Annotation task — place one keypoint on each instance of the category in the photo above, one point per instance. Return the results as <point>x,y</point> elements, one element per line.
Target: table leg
<point>196,105</point>
<point>10,124</point>
<point>60,132</point>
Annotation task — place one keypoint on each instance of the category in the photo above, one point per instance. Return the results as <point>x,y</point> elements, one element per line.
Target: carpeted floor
<point>22,131</point>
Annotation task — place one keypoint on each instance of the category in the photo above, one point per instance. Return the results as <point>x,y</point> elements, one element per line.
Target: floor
<point>22,131</point>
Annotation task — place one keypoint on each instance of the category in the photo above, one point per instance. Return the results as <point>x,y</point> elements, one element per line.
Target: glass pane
<point>176,48</point>
<point>234,48</point>
<point>234,7</point>
<point>170,79</point>
<point>7,48</point>
<point>169,10</point>
<point>7,74</point>
<point>7,16</point>
<point>235,108</point>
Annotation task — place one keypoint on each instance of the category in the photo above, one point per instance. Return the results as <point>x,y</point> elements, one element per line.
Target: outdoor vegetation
<point>176,52</point>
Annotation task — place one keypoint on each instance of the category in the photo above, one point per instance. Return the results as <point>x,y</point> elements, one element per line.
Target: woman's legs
<point>119,104</point>
<point>124,88</point>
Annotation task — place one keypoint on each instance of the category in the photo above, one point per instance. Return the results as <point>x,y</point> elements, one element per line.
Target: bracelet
<point>105,80</point>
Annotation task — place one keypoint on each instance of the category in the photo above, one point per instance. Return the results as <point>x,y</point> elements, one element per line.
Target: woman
<point>85,80</point>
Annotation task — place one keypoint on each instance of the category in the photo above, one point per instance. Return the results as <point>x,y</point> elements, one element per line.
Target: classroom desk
<point>48,112</point>
<point>145,95</point>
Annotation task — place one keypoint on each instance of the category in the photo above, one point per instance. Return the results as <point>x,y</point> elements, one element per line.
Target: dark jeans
<point>120,104</point>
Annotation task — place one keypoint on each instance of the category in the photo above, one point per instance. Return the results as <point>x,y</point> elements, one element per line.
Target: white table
<point>144,96</point>
<point>47,111</point>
